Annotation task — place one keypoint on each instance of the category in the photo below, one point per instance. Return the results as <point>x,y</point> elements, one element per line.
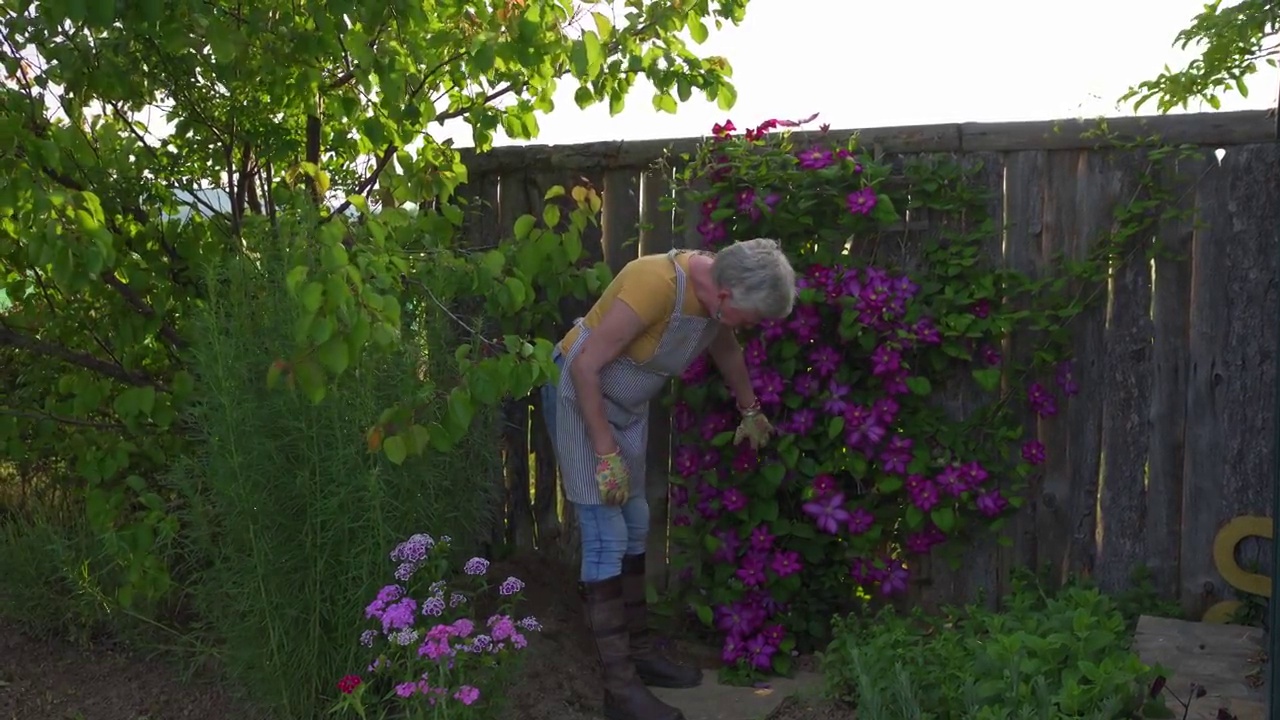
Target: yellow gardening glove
<point>755,428</point>
<point>613,479</point>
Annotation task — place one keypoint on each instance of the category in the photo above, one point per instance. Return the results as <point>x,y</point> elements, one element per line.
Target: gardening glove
<point>613,479</point>
<point>755,428</point>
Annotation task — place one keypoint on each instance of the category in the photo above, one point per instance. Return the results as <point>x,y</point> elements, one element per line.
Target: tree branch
<point>135,300</point>
<point>63,420</point>
<point>35,345</point>
<point>391,150</point>
<point>459,112</point>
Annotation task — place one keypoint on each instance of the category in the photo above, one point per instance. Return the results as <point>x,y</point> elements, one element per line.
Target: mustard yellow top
<point>648,286</point>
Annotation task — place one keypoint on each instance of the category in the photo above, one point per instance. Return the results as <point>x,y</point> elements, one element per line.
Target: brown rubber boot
<point>654,668</point>
<point>625,697</point>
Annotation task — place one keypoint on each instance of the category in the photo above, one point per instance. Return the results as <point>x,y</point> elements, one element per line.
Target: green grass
<point>289,518</point>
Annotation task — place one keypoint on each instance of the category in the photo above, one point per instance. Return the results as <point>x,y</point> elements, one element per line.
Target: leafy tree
<point>1232,42</point>
<point>142,141</point>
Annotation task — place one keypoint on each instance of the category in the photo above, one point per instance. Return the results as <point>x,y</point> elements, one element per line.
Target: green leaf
<point>919,385</point>
<point>944,518</point>
<point>484,55</point>
<point>603,25</point>
<point>988,378</point>
<point>551,216</point>
<point>889,484</point>
<point>835,426</point>
<point>774,473</point>
<point>595,53</point>
<point>663,102</point>
<point>697,28</point>
<point>395,450</point>
<point>704,614</point>
<point>460,409</point>
<point>572,243</point>
<point>334,355</point>
<point>524,225</point>
<point>518,291</point>
<point>727,97</point>
<point>311,380</point>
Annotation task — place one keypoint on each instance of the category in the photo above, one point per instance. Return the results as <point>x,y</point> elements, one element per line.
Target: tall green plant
<point>289,515</point>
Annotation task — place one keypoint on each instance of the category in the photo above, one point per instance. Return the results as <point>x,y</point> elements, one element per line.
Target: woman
<point>659,313</point>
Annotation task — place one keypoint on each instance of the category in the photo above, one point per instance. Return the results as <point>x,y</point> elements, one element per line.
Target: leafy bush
<point>431,656</point>
<point>1065,656</point>
<point>287,512</point>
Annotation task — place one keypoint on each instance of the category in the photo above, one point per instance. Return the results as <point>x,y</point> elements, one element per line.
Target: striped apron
<point>627,387</point>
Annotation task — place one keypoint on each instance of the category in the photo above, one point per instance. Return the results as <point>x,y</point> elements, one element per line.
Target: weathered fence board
<point>1170,434</point>
<point>1125,382</point>
<point>1024,180</point>
<point>655,237</point>
<point>1231,376</point>
<point>1166,423</point>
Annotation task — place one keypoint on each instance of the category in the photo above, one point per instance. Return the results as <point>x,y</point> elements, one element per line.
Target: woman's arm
<point>726,353</point>
<point>617,328</point>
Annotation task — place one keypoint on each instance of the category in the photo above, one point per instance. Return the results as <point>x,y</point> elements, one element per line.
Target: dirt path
<point>50,680</point>
<point>56,681</point>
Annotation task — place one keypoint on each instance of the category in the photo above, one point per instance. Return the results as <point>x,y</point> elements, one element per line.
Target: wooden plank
<point>1231,378</point>
<point>1083,412</point>
<point>655,237</point>
<point>479,201</point>
<point>1203,458</point>
<point>1211,128</point>
<point>1054,516</point>
<point>621,217</point>
<point>1214,129</point>
<point>977,575</point>
<point>1024,225</point>
<point>981,580</point>
<point>1170,310</point>
<point>1125,370</point>
<point>688,213</point>
<point>1246,398</point>
<point>1220,658</point>
<point>514,199</point>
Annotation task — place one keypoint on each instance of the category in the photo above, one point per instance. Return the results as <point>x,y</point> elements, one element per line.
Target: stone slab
<point>1224,659</point>
<point>714,701</point>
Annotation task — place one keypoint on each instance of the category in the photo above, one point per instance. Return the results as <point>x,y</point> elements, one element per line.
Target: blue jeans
<point>608,532</point>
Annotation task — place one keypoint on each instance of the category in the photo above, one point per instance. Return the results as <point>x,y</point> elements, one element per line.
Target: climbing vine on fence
<point>900,394</point>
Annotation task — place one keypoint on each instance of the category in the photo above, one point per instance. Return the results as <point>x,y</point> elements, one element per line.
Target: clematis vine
<point>885,452</point>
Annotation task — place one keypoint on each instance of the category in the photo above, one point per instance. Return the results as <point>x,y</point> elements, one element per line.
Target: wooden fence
<point>1172,432</point>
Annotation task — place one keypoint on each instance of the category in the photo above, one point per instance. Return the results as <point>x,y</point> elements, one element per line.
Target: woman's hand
<point>613,479</point>
<point>755,428</point>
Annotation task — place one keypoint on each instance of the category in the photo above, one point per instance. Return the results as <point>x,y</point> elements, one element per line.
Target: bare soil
<point>560,680</point>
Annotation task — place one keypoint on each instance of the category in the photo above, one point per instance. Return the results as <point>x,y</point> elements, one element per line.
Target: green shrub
<point>1044,657</point>
<point>287,514</point>
<point>52,575</point>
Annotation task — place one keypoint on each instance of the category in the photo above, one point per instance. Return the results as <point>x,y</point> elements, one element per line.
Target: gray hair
<point>759,276</point>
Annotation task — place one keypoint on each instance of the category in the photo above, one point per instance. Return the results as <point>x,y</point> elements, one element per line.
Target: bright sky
<point>876,63</point>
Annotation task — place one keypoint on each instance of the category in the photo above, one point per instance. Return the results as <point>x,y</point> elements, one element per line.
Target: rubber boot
<point>625,697</point>
<point>654,668</point>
